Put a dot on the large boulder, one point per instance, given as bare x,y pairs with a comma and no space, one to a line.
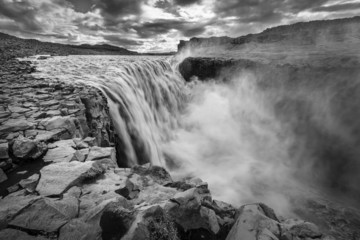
27,149
58,177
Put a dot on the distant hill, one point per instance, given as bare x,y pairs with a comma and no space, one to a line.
11,46
317,35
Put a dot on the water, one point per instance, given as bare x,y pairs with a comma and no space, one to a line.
144,94
251,139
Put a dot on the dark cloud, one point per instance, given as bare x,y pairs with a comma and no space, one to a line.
22,13
186,2
337,7
167,7
121,41
113,10
82,5
161,26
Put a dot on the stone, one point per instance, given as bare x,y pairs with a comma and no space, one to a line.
44,214
91,141
254,224
39,115
78,229
300,229
59,122
58,177
11,205
13,188
53,113
27,149
51,135
49,103
78,156
16,109
4,151
3,176
30,183
61,151
97,153
4,114
80,144
18,235
14,125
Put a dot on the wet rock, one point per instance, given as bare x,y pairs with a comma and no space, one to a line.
58,177
27,149
130,191
254,224
297,228
158,174
3,176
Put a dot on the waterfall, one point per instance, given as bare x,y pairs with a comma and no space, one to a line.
144,95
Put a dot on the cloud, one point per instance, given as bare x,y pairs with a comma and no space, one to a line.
83,6
121,41
22,12
186,2
337,7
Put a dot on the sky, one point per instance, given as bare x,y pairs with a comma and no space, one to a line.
157,25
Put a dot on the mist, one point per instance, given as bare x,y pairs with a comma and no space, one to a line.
255,141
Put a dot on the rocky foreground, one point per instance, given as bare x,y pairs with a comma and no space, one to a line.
60,177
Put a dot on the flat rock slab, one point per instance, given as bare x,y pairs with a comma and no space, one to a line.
44,214
14,126
59,122
58,177
97,153
63,152
16,109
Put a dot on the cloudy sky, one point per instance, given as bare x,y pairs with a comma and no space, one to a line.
157,25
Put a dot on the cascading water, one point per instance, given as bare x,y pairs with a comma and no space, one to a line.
248,138
144,96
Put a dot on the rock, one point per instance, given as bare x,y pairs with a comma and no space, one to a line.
97,153
130,191
300,229
58,177
78,229
45,214
4,151
80,144
4,114
18,235
254,224
47,136
39,115
3,176
158,174
11,205
187,211
53,113
61,151
27,149
91,141
13,188
30,183
49,103
78,156
59,122
14,125
16,109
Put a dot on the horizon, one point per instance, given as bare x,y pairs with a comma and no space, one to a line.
157,25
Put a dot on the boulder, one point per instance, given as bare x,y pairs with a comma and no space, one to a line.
254,224
58,177
78,156
80,144
14,125
59,122
158,174
27,149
